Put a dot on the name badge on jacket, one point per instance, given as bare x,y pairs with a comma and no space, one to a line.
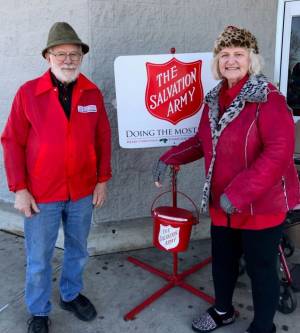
87,108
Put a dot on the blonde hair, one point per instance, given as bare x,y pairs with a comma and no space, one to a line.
255,66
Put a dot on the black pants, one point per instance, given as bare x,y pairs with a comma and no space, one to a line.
260,249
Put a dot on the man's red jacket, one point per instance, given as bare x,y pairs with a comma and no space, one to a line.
53,157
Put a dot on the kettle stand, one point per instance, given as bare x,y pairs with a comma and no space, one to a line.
174,279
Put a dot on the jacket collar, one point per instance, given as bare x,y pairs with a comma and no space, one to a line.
45,84
255,90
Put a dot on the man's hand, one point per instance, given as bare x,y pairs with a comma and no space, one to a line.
100,194
25,203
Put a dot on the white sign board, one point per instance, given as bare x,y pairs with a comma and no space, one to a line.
160,97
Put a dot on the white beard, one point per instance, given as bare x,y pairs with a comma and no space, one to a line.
65,73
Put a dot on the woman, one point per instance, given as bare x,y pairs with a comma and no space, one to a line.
246,136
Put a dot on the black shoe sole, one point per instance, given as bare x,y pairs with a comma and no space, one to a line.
207,331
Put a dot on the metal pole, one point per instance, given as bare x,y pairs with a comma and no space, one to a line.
174,185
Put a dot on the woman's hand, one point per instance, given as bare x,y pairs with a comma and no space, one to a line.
226,205
159,172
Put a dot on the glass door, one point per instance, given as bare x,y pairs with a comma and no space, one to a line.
289,75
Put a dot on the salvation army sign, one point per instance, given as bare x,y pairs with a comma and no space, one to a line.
174,90
168,236
160,97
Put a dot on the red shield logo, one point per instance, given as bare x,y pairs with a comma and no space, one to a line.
174,89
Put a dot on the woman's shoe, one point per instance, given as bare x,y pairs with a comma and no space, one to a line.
211,320
249,330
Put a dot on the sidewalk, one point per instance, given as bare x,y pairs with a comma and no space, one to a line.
116,286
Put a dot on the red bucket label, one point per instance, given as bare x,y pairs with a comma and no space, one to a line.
174,90
168,236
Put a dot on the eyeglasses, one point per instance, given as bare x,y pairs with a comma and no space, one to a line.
62,56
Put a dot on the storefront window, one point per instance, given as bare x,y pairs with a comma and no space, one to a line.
287,62
293,84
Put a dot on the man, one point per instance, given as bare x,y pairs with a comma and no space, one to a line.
57,157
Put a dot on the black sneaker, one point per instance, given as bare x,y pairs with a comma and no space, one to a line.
211,320
250,330
82,308
38,324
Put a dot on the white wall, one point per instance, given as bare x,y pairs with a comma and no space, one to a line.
122,27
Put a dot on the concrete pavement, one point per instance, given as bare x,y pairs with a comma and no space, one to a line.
116,286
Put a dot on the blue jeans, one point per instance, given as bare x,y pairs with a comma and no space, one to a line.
41,231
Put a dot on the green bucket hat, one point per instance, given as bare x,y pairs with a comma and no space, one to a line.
62,33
